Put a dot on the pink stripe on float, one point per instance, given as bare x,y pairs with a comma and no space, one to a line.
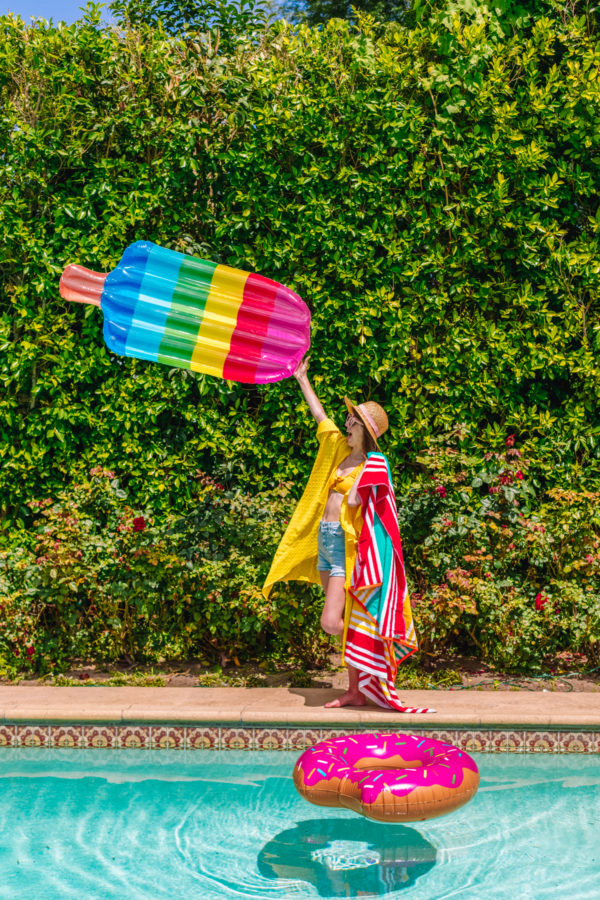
251,329
283,335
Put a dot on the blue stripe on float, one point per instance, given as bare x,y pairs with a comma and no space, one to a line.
121,290
153,303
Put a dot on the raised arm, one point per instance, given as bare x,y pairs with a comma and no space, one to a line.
314,404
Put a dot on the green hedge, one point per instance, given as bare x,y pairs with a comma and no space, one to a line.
431,192
498,568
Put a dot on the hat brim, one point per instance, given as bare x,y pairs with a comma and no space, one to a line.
351,407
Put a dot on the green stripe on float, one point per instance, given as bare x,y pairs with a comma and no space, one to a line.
187,310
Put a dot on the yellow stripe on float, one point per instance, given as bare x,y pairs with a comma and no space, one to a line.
218,321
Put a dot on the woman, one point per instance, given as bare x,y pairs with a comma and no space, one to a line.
320,543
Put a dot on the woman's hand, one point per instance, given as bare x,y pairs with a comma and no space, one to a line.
301,371
353,497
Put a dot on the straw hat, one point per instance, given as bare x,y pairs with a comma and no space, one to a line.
373,417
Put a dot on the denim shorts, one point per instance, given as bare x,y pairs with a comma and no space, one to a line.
332,548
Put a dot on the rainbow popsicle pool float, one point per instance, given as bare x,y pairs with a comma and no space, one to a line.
175,309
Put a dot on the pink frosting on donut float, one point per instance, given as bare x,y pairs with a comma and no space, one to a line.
387,777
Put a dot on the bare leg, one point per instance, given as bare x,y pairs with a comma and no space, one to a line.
332,621
332,617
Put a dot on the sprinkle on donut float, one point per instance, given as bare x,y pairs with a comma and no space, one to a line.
387,777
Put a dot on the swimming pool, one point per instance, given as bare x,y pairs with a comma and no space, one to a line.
225,824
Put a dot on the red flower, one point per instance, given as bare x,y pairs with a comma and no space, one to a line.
541,601
441,490
30,651
510,440
139,523
519,475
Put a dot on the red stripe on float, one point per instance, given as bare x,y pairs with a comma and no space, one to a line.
250,329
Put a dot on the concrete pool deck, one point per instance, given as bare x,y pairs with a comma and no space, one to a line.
295,707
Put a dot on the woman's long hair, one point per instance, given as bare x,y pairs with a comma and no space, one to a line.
369,442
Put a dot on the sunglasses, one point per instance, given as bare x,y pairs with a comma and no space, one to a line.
352,420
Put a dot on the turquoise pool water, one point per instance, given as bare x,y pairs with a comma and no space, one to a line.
90,824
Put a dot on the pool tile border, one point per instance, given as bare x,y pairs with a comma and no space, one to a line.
219,737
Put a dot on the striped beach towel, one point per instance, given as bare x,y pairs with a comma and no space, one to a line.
381,632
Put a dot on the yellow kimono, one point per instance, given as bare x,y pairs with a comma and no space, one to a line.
296,556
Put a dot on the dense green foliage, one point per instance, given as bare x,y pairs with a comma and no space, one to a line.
499,567
430,188
97,579
228,22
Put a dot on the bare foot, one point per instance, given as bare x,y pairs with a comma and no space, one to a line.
350,698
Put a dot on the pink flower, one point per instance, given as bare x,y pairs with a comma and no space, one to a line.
139,523
510,440
519,475
441,490
487,574
589,558
494,490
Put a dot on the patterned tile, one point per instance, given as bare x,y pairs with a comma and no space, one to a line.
584,742
541,742
34,736
395,731
301,738
276,739
203,738
177,737
298,739
330,734
474,741
159,738
100,737
66,736
447,737
508,741
238,739
8,736
134,737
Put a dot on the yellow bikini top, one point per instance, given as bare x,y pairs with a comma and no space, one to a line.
341,484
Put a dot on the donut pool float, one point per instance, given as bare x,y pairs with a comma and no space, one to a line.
387,777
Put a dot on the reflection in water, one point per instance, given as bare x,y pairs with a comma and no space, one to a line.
348,857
